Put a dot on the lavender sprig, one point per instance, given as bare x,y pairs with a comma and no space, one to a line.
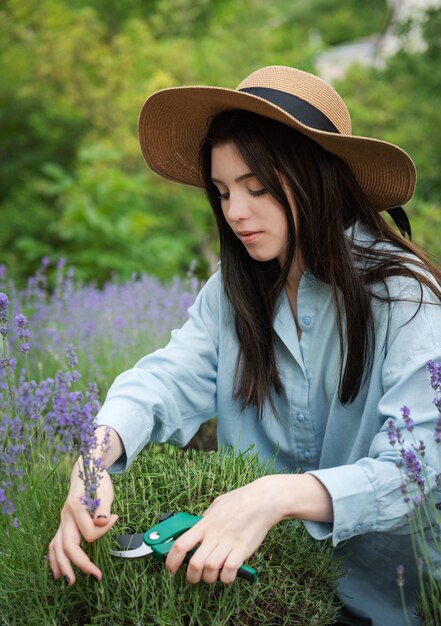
93,469
408,421
4,306
435,374
23,332
393,433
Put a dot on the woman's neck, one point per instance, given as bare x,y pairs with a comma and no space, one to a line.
292,287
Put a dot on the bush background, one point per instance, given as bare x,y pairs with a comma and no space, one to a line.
73,77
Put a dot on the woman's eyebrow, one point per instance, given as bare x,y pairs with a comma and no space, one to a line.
238,179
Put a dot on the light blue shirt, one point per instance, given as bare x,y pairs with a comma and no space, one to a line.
170,393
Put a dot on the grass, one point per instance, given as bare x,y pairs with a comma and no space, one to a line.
296,575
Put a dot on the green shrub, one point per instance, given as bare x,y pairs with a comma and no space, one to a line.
296,575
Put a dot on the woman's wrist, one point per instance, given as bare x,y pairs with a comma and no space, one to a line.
299,496
109,446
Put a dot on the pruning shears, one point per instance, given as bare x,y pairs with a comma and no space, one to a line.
159,540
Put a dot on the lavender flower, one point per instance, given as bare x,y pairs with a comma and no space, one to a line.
435,374
72,359
413,468
393,433
7,363
23,332
408,421
93,468
417,500
4,306
400,575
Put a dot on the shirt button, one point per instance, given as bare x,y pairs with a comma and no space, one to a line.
300,417
307,454
307,320
343,534
358,527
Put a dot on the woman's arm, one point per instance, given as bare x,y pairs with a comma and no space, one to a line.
236,523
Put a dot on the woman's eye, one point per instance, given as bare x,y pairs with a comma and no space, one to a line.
223,196
259,192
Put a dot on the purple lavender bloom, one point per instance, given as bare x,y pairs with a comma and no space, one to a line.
21,321
413,468
408,421
435,374
45,261
23,332
417,501
4,306
72,359
93,469
7,363
393,433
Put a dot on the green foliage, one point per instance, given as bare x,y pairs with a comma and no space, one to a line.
296,575
401,104
74,74
338,22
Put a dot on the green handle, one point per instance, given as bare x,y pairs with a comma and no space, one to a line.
160,539
171,528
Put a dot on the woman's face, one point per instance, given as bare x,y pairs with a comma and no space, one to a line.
255,217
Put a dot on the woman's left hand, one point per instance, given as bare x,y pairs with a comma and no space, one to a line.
231,530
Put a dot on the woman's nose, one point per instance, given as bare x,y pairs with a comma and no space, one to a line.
237,208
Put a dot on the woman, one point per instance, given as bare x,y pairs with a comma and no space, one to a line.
314,332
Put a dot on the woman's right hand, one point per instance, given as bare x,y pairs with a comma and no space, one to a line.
76,522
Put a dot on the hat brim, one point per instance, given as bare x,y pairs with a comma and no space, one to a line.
173,124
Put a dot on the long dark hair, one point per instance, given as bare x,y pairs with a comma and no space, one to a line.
328,200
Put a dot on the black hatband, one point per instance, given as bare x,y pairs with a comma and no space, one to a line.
303,111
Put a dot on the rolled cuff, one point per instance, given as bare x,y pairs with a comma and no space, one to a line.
133,430
353,501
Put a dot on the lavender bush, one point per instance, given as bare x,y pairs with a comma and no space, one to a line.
424,509
47,406
111,328
41,422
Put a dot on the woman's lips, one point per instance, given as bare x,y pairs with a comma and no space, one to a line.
249,236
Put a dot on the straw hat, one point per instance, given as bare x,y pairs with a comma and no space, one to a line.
173,123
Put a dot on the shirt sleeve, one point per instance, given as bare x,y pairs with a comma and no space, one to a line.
367,495
168,394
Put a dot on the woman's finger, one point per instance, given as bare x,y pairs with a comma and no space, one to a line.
181,546
206,562
62,562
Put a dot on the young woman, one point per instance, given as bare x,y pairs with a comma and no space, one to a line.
314,332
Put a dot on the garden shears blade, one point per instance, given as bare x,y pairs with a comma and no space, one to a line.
132,547
159,540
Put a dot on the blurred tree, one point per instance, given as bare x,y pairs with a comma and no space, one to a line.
401,104
74,74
